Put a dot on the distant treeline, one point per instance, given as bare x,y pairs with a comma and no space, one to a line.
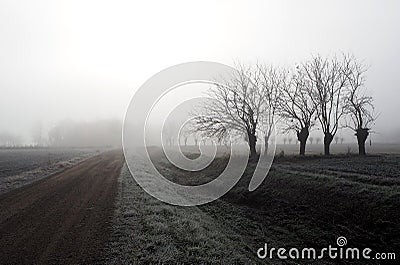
86,134
8,139
68,133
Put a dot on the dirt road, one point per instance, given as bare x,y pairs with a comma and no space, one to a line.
62,219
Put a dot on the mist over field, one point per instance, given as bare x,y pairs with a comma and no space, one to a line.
82,62
199,132
69,133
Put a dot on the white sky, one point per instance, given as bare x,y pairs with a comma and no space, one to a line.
84,59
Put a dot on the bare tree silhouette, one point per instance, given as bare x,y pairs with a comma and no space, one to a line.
242,105
297,108
311,140
327,81
270,80
254,99
86,134
185,133
336,139
168,133
8,139
360,109
37,133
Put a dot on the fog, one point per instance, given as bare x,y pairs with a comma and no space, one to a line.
81,61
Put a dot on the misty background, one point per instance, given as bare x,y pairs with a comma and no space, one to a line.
73,66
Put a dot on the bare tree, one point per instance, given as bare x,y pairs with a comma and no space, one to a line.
85,134
359,109
195,139
311,140
270,80
237,106
327,81
168,132
9,139
37,133
297,108
336,139
185,133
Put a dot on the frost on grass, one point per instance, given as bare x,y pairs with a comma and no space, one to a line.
22,167
147,231
304,202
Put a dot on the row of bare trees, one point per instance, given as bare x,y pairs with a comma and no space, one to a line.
324,92
8,139
98,133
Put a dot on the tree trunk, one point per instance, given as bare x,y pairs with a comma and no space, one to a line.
302,136
328,137
362,135
252,145
266,140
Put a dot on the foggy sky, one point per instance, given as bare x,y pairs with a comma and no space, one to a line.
83,60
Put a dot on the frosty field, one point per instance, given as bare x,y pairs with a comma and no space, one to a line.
19,167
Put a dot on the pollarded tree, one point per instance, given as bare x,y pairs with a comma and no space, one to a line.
327,81
296,107
359,109
237,106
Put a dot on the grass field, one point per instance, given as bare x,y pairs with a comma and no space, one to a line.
304,202
21,166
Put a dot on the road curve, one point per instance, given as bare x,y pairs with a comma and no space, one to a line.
64,218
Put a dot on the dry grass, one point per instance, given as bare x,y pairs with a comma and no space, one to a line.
304,202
